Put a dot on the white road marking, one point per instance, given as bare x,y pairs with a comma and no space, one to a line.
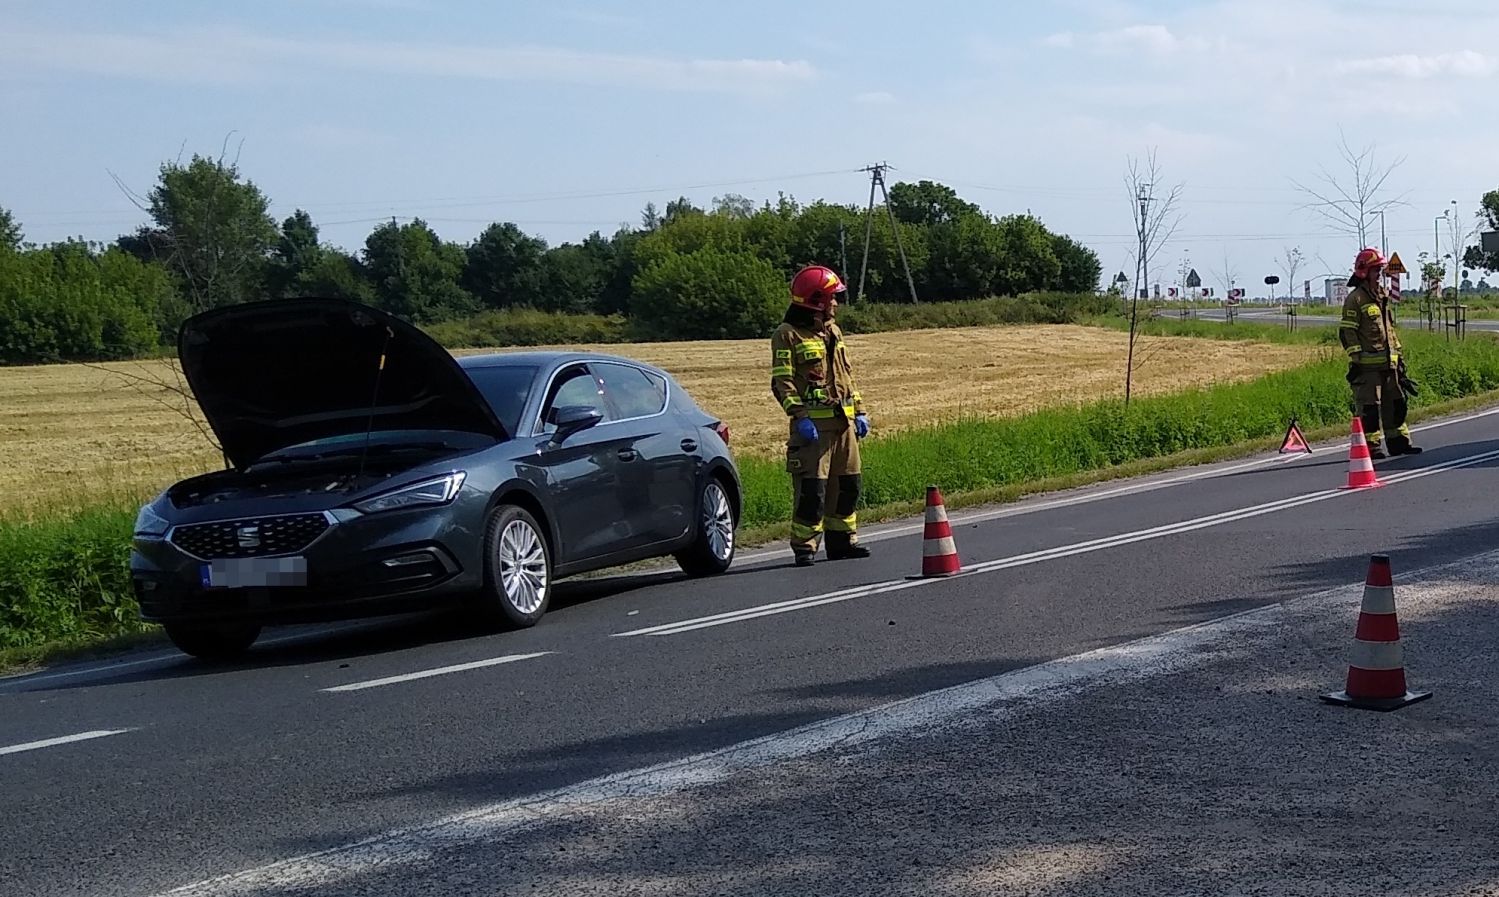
66,739
1099,494
174,657
1042,556
439,671
1001,696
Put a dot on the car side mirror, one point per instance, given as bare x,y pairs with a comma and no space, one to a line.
574,419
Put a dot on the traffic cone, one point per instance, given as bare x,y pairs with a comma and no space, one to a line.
1376,674
1360,464
939,554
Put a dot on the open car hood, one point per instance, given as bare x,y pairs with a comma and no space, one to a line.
275,373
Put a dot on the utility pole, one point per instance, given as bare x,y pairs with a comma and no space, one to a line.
843,248
877,181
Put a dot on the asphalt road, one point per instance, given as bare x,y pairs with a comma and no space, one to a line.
1321,315
152,772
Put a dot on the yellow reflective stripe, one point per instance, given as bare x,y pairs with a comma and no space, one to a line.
1348,325
782,354
802,531
791,402
807,350
822,413
816,394
782,370
847,524
1355,350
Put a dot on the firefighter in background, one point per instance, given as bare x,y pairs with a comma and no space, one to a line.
811,378
1375,369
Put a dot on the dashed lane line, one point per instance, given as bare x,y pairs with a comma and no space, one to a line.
1038,557
439,671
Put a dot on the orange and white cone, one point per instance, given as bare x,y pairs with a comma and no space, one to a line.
1360,465
1376,673
939,553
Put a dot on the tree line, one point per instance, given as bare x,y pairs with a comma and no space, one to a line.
682,272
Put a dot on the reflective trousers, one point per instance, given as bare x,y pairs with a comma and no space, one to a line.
1381,406
825,484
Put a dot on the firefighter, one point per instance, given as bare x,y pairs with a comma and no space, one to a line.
1375,369
811,378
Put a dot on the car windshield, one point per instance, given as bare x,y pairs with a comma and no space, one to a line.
506,387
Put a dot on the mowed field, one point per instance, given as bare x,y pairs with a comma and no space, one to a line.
73,435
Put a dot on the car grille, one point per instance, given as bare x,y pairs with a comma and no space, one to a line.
250,537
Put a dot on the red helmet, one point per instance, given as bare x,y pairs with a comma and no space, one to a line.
814,285
1368,260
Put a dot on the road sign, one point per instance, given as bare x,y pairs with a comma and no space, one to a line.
1396,266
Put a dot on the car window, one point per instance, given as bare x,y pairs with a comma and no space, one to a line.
574,386
633,392
506,388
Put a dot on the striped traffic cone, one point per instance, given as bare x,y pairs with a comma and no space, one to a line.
939,554
1376,674
1360,465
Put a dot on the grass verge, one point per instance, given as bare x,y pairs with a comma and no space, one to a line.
68,588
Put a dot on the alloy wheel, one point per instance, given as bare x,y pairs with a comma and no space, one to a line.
718,521
523,567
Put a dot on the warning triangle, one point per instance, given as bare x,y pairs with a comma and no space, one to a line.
1294,441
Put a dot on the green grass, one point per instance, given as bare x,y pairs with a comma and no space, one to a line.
974,455
68,588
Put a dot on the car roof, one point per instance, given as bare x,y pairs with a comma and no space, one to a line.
544,358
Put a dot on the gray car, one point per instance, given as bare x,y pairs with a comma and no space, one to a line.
371,472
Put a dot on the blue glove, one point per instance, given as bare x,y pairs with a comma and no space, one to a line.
806,429
861,425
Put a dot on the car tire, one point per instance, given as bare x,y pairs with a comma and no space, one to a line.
213,641
517,569
713,546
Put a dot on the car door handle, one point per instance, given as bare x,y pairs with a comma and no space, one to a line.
689,445
628,454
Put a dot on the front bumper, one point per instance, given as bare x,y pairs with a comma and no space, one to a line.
359,565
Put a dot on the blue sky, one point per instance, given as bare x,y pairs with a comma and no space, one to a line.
468,112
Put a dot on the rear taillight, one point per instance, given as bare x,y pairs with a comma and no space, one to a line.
722,429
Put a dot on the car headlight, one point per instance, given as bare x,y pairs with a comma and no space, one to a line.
437,491
149,524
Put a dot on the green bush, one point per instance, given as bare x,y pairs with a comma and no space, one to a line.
528,327
708,293
67,303
66,578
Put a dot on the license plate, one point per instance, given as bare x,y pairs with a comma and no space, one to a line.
254,573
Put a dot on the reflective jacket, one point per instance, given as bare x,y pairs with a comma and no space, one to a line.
1367,330
810,375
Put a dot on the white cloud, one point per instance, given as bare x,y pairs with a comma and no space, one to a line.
1465,63
226,55
1153,39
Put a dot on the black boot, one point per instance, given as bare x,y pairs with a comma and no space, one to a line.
1376,453
842,547
805,558
1401,445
